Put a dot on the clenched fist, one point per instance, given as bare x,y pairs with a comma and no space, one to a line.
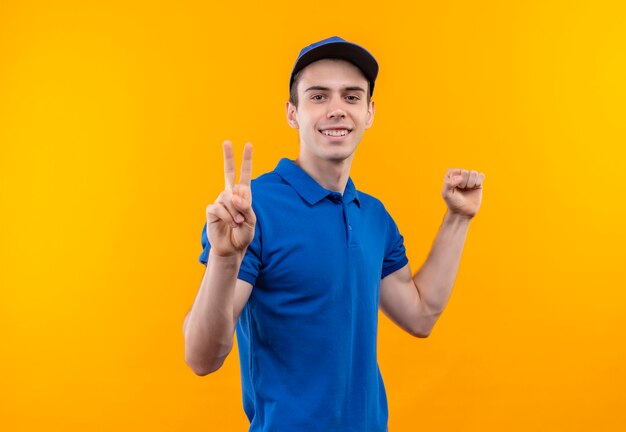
462,191
230,219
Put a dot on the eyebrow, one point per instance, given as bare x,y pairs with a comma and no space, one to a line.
322,88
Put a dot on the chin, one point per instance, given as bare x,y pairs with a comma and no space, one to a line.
332,152
338,156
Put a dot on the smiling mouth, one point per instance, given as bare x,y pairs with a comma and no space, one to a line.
335,132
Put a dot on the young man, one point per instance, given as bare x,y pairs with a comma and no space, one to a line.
300,272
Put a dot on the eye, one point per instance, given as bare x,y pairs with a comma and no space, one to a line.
352,98
317,97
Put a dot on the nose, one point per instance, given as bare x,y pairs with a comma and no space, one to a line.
335,110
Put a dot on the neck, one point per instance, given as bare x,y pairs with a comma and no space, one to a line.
331,175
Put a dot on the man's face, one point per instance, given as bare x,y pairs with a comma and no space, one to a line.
332,112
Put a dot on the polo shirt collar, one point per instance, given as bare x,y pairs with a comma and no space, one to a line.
310,190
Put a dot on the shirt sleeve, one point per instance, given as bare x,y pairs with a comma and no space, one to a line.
395,252
251,263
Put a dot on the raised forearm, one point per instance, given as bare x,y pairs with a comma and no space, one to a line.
210,325
436,277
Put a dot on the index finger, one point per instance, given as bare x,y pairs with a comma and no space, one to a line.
229,164
246,165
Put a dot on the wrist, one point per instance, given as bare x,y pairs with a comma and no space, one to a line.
234,258
457,218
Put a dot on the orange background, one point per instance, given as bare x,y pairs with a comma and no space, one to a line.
111,123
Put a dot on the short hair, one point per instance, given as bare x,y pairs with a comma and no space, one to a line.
293,92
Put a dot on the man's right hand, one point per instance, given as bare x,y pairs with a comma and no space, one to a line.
230,219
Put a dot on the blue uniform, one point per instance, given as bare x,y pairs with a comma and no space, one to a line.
307,336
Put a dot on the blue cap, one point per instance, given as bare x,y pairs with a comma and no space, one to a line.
338,48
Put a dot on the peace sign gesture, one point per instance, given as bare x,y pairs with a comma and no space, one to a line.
230,219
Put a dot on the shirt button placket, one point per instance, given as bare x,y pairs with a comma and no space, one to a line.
351,241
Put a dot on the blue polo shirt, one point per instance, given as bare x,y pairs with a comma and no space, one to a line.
307,336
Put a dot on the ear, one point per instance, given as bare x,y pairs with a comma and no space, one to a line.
291,115
370,115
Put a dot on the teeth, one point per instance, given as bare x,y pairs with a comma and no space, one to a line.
335,132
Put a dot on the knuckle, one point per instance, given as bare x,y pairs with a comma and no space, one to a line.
229,206
224,206
223,197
